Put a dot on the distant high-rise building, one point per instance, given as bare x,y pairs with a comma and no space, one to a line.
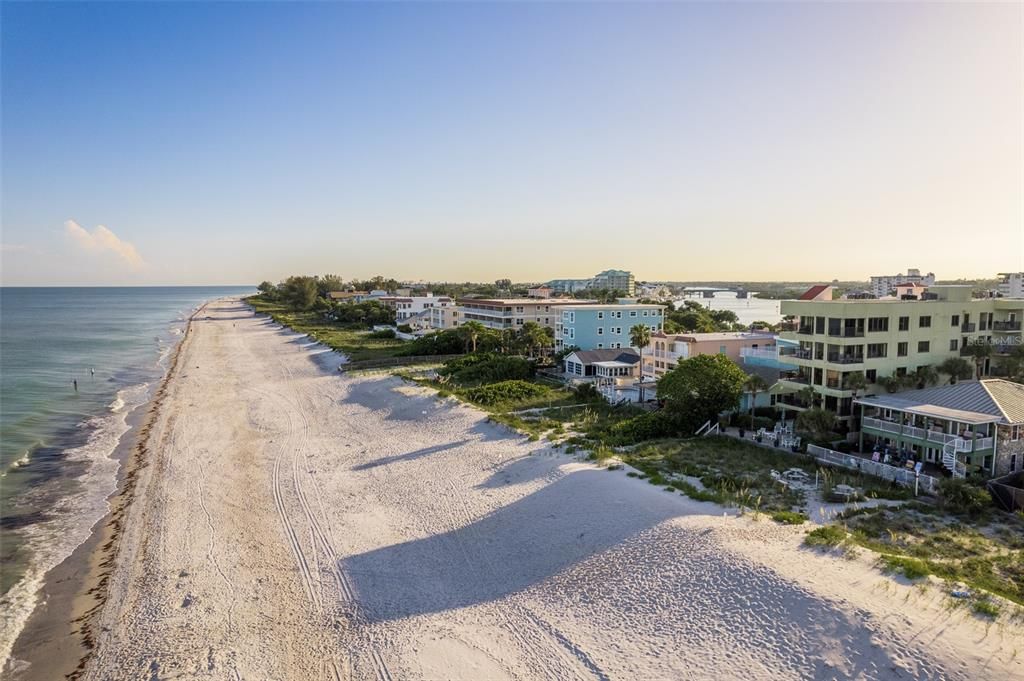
613,280
883,285
1011,285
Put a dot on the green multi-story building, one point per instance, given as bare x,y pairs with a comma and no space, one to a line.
890,337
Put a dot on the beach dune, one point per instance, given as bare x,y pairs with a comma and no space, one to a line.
291,522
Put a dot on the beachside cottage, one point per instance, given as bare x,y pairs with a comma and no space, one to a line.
971,427
623,365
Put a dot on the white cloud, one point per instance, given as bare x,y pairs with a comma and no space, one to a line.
102,239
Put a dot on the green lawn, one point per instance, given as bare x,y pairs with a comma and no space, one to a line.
354,343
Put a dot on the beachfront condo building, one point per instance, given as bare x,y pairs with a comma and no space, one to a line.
612,280
973,427
668,349
512,313
883,285
605,325
882,338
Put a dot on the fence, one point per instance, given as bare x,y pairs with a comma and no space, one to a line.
396,362
902,476
1008,491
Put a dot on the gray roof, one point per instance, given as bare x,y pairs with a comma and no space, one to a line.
627,355
990,399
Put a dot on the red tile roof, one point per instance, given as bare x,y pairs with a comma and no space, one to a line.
813,292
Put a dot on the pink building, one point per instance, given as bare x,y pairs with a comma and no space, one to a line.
667,349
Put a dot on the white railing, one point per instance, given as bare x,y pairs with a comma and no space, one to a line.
879,424
983,443
941,438
760,353
914,431
902,476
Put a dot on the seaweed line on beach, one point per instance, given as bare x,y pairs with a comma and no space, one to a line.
120,503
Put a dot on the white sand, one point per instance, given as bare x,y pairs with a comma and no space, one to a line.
298,524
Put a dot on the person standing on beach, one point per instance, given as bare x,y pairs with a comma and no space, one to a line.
92,372
74,382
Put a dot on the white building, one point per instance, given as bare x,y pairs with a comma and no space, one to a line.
884,284
408,308
1011,284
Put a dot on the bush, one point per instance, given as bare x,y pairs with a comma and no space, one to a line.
789,517
505,391
587,392
383,333
961,497
742,420
647,426
487,367
405,328
445,342
831,535
912,568
986,608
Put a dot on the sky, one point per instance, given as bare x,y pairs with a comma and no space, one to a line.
229,143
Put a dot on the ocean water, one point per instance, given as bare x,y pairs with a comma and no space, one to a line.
56,441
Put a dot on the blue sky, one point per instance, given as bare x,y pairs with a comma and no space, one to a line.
232,142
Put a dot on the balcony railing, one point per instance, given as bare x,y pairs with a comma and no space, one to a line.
806,330
839,358
879,424
1006,326
968,327
795,354
802,380
846,333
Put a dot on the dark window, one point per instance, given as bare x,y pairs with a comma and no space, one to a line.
925,321
902,349
818,374
955,320
924,346
871,375
819,325
901,371
819,351
835,326
953,344
878,323
877,350
904,323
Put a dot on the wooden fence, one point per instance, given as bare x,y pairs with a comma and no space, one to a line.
387,362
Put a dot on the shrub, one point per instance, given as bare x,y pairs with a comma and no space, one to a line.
445,342
383,333
405,328
912,568
505,391
647,426
831,535
487,367
789,517
986,608
962,497
587,392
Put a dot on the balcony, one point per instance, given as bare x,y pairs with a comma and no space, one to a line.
795,354
799,380
840,358
846,333
805,330
968,327
1006,326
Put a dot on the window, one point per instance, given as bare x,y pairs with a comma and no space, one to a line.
1015,433
871,375
519,321
519,309
600,346
572,333
632,313
955,320
645,313
901,371
953,344
1013,462
876,350
600,331
924,346
618,314
878,323
819,325
902,349
572,317
654,328
904,323
924,322
600,314
721,349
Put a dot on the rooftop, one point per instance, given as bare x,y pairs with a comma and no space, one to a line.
985,401
626,355
718,336
525,301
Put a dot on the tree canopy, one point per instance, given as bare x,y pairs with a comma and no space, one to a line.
700,388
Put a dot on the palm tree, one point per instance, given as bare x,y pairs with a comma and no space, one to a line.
471,331
926,376
806,396
533,336
753,385
956,368
856,381
640,338
979,352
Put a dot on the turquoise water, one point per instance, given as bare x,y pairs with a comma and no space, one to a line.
56,441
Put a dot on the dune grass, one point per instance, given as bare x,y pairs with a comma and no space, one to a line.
357,344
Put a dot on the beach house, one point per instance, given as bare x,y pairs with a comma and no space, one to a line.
668,349
513,313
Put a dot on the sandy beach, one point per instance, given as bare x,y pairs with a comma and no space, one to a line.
290,522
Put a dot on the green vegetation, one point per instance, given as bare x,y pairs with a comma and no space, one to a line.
487,367
789,517
911,568
986,607
358,344
698,389
828,536
506,393
693,316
